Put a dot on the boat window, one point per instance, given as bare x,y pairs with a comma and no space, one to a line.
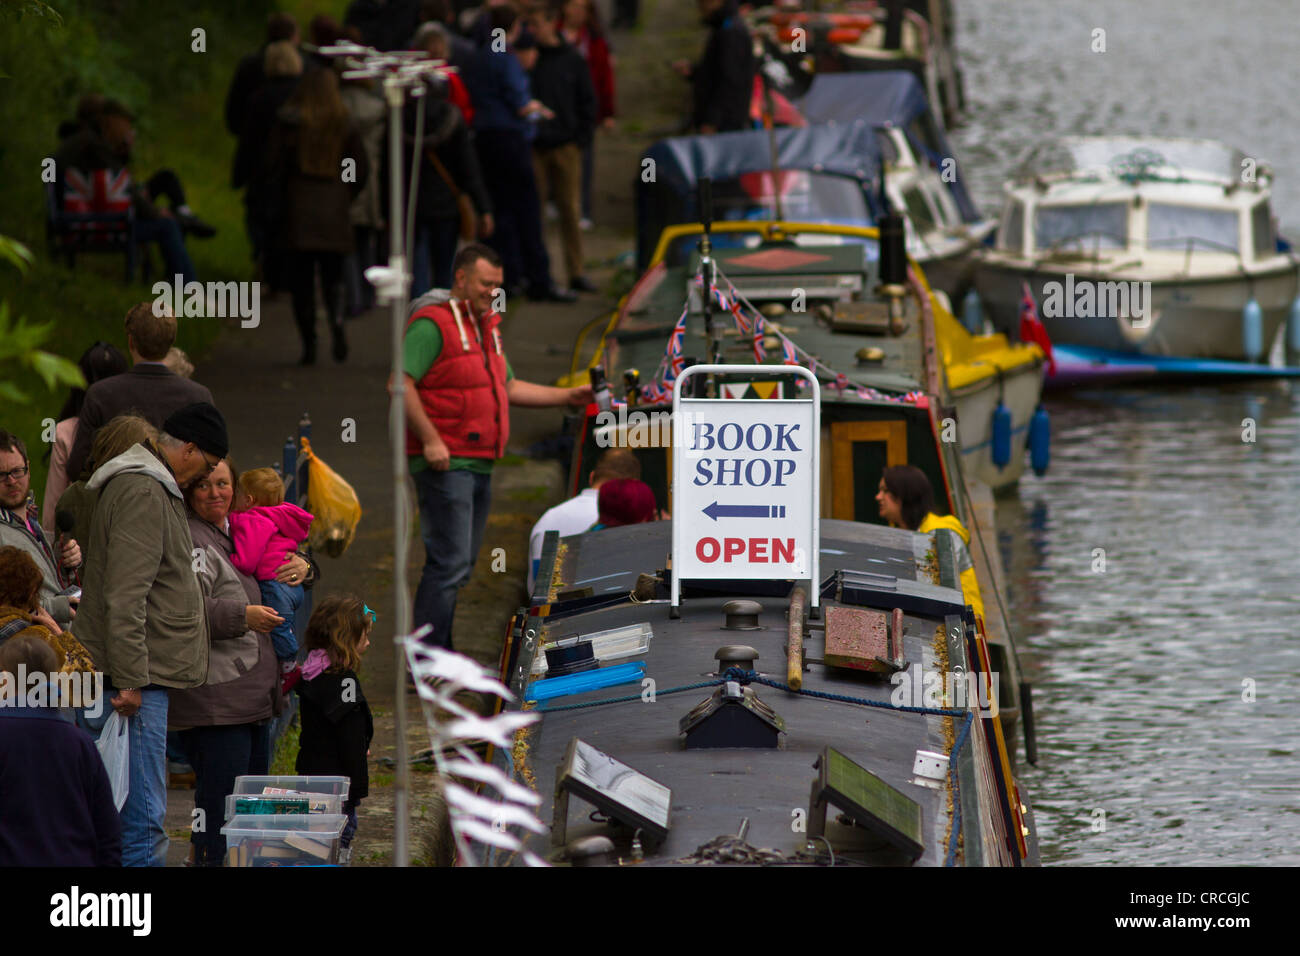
1080,228
1178,226
805,197
1261,225
1011,235
918,210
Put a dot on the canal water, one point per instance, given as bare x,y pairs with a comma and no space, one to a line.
1153,573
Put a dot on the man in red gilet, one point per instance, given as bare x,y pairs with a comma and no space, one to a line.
459,391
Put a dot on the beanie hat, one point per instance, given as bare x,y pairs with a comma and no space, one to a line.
625,501
201,424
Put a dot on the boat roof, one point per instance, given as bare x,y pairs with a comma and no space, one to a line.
1093,191
880,97
638,339
850,150
1121,156
713,789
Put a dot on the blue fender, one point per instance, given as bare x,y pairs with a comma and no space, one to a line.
1040,441
1001,435
970,312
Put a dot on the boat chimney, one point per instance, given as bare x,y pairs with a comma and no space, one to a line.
736,655
741,615
893,250
894,25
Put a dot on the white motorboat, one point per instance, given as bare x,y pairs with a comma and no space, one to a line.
1143,245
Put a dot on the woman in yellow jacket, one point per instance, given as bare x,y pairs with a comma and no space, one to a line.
906,501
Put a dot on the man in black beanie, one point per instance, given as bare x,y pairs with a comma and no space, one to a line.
142,613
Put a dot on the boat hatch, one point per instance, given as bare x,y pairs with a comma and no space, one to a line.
886,592
733,716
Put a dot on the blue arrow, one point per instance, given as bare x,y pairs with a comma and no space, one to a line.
716,511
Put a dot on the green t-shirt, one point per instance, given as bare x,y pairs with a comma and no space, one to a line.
421,347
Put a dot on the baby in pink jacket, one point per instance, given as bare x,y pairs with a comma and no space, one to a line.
265,534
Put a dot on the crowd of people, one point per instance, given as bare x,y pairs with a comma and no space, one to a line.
157,567
504,134
151,562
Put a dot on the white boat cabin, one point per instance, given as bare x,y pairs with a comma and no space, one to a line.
1170,206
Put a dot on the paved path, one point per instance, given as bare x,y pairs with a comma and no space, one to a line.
257,384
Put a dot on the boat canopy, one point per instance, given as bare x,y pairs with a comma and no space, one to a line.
883,97
826,174
1133,156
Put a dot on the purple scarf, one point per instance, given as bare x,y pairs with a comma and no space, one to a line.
317,662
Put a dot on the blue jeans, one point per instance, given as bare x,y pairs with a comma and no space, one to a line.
219,755
144,815
435,240
453,512
285,599
280,724
167,233
349,828
507,162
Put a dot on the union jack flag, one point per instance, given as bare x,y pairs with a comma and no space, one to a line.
96,191
676,347
758,339
788,354
733,306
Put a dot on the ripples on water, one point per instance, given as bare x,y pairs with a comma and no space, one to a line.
1140,669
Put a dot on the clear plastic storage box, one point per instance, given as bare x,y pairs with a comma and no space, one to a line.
303,801
285,795
615,644
296,839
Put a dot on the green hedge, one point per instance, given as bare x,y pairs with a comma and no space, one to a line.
141,52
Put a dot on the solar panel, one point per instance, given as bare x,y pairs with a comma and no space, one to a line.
870,801
614,788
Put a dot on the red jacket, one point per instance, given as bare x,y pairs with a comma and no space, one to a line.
459,96
595,50
464,391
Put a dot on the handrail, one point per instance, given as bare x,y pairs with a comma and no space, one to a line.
607,317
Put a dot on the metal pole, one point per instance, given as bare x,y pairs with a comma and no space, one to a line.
392,283
393,93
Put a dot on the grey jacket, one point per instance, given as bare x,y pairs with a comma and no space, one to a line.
243,681
14,533
142,615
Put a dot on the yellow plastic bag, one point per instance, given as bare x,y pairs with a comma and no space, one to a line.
333,503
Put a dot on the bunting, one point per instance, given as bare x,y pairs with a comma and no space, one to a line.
730,300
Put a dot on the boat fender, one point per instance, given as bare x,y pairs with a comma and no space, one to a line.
1293,326
1252,330
970,312
1027,720
1040,441
1001,435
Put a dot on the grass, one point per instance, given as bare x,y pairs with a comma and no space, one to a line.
284,760
143,53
